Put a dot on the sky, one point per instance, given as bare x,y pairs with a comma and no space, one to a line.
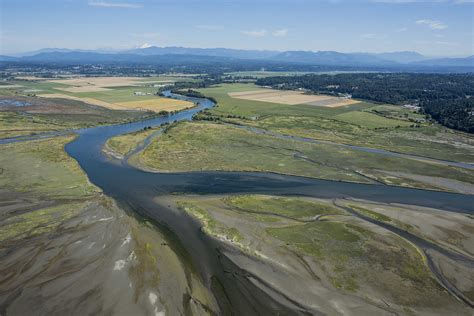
433,28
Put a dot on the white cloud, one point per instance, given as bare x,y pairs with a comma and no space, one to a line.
432,24
255,33
280,33
402,29
146,45
105,4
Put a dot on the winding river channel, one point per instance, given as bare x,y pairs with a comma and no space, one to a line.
138,191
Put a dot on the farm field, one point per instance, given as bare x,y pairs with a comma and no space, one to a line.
118,93
364,124
291,98
324,249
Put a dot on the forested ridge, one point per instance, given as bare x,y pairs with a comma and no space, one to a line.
448,98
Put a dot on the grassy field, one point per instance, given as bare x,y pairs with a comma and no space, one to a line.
12,124
352,256
124,144
195,146
43,159
365,124
299,209
369,120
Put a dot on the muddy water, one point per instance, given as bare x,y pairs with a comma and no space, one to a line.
140,192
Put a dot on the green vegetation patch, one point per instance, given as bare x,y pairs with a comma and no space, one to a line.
333,242
42,166
195,146
371,214
397,112
123,144
369,120
209,225
317,238
297,208
204,146
15,124
352,255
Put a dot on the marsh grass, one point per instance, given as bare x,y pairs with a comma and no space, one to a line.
290,207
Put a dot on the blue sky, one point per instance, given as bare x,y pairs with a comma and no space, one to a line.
434,28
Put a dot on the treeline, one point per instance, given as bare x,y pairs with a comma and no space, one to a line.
446,97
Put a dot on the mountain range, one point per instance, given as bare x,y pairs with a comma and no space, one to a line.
156,55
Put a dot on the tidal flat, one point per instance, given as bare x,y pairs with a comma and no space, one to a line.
339,261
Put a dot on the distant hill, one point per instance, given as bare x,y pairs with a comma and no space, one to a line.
332,58
392,61
86,57
62,50
219,52
7,58
449,62
401,57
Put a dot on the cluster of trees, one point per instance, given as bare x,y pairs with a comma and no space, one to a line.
189,93
457,114
446,97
